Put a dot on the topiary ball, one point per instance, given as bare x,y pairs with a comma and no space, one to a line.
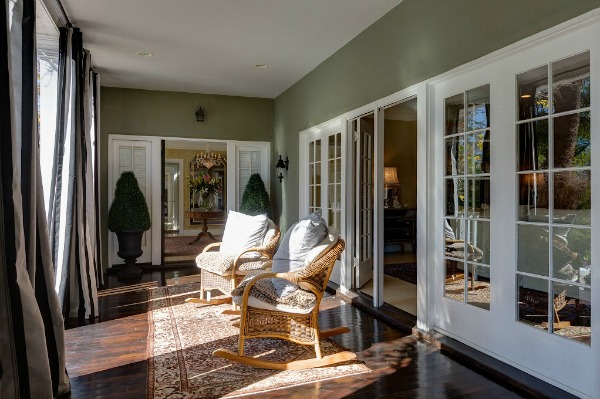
129,210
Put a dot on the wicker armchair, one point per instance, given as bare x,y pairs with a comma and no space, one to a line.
263,314
224,272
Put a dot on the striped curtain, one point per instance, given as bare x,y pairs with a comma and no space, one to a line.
73,206
32,353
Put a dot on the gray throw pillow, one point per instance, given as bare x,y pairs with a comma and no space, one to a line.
302,237
295,246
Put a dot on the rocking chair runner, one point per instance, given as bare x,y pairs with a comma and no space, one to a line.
224,272
260,319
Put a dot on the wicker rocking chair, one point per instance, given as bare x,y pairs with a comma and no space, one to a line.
224,272
263,314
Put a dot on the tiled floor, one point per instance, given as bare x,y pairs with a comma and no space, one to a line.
396,292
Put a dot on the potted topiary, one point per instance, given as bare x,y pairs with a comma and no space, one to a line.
128,217
255,200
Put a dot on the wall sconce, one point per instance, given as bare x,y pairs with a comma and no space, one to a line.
281,164
199,115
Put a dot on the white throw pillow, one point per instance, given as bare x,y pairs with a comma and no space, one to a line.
302,237
323,247
243,232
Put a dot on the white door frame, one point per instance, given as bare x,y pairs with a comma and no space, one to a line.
180,191
155,200
342,122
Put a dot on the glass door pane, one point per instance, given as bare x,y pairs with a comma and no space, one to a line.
467,197
554,264
364,134
314,175
334,190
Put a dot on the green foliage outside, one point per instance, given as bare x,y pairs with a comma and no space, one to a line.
255,200
129,210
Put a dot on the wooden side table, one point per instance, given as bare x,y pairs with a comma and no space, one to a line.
204,215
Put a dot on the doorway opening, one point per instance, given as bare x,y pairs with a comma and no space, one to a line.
194,197
399,260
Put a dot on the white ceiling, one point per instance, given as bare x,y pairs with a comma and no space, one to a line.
212,46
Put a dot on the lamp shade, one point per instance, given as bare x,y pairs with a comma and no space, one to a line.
390,175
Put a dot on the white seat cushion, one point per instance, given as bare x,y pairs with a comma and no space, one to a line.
243,232
263,295
215,262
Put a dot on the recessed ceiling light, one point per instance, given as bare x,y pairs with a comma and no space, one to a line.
143,53
260,65
526,96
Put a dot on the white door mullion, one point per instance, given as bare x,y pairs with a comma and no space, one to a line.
377,218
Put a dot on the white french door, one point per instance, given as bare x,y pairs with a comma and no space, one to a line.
515,188
322,179
363,133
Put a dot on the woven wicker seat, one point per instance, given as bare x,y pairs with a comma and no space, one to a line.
261,317
224,272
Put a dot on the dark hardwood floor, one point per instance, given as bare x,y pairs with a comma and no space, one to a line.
107,358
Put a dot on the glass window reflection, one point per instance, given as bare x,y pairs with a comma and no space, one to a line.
478,111
533,93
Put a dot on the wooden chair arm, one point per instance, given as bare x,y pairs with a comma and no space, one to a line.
211,246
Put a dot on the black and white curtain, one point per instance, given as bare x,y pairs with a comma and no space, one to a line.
73,206
32,354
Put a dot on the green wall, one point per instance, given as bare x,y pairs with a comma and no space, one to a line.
417,40
172,114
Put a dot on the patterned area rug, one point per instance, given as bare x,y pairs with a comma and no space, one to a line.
180,246
182,337
403,271
478,296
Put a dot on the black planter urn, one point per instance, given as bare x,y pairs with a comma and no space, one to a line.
130,248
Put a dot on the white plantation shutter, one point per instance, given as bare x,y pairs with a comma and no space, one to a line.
250,159
135,156
249,163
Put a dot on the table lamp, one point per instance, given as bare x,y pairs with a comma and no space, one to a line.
390,178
